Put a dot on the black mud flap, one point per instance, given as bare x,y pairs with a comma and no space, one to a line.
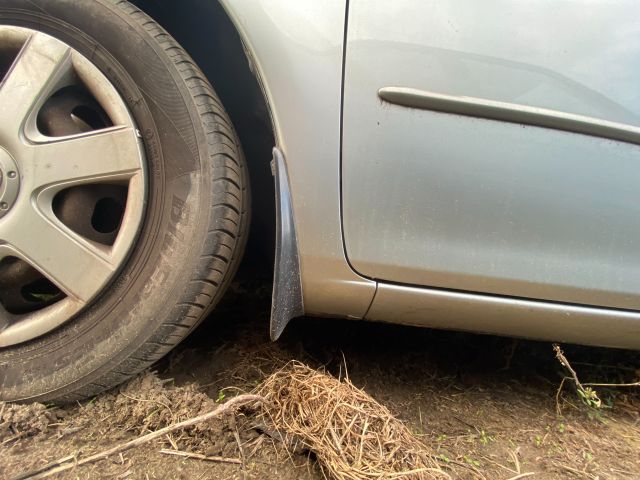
287,300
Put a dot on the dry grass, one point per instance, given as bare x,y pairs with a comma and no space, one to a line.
353,436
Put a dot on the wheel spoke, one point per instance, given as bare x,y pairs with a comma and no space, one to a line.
109,153
77,269
41,62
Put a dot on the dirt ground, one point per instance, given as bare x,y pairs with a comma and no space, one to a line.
486,406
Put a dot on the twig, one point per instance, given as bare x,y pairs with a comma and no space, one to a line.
522,475
236,435
584,389
172,442
199,456
17,436
449,461
558,392
38,471
576,471
514,457
565,363
64,464
510,354
588,395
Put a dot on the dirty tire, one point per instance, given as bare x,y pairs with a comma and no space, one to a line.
196,216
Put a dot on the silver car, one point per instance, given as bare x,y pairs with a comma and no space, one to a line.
452,164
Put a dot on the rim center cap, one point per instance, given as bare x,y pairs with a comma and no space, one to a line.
9,182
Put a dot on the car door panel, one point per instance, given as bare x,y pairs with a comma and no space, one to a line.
469,201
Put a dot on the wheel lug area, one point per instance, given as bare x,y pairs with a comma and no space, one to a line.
9,182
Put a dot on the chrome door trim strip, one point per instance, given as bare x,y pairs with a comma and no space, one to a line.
509,112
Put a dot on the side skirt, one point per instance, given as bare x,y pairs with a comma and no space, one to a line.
516,317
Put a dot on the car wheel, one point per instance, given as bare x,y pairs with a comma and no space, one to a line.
123,196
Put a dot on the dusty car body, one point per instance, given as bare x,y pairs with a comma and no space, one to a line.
475,165
456,165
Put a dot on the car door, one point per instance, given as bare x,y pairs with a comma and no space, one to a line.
494,147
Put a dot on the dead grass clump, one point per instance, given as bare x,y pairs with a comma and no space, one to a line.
352,435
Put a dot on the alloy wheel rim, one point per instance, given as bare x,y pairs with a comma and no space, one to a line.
72,183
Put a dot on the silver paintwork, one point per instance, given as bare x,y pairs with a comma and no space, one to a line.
30,230
296,51
436,199
500,208
482,205
573,56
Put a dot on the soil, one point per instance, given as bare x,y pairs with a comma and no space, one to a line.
488,406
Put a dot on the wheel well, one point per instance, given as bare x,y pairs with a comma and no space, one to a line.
205,31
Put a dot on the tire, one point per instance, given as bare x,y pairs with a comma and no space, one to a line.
196,213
